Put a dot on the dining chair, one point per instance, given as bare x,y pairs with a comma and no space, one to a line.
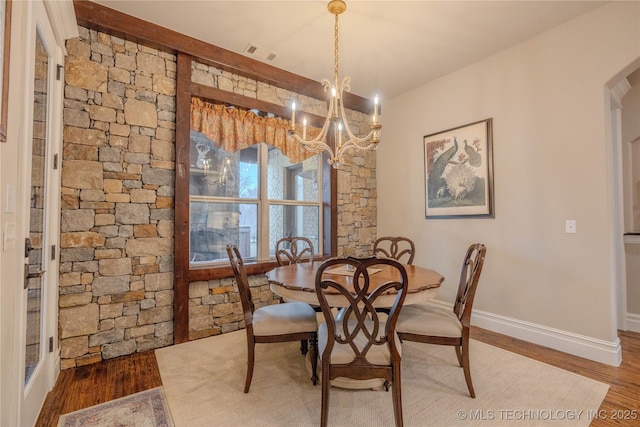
291,321
395,248
363,344
431,324
292,250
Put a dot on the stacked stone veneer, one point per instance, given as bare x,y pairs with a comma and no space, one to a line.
117,221
116,258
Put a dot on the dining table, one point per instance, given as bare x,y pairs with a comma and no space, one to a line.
296,282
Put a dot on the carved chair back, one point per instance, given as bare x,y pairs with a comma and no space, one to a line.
240,274
398,248
469,276
363,343
292,250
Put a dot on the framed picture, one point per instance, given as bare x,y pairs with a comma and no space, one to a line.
5,43
458,170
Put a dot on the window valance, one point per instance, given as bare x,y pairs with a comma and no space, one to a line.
233,129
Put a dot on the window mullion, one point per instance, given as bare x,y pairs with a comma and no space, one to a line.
263,204
320,249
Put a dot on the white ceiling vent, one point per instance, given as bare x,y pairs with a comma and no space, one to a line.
259,53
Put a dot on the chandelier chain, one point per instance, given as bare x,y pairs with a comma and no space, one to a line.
335,51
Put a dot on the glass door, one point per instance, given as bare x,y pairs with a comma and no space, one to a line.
34,246
40,265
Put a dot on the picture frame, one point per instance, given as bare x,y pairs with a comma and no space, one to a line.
5,45
458,171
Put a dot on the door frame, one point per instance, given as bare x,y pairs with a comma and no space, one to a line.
45,373
61,16
617,88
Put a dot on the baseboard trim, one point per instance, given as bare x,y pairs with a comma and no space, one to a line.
590,348
633,322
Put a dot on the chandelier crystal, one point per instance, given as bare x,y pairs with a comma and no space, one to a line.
336,121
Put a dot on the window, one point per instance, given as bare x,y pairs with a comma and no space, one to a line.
250,198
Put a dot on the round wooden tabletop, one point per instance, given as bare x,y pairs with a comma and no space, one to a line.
296,282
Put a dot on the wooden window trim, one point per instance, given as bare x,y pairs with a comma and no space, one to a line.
185,90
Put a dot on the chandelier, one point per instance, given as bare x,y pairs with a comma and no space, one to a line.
336,120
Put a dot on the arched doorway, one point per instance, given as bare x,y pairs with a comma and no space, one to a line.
624,99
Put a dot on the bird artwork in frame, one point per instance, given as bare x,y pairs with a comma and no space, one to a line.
459,172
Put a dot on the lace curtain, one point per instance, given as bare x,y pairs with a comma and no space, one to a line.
233,129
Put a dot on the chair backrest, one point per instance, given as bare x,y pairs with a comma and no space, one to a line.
395,248
292,250
469,276
361,326
240,274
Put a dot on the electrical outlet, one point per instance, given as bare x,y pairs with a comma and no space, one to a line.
570,226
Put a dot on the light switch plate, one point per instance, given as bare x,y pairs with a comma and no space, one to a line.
9,236
570,226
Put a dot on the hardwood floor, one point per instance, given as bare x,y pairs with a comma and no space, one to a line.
98,383
621,406
93,384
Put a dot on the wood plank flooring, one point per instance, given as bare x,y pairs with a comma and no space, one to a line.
93,384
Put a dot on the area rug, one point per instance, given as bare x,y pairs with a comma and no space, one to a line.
204,379
145,409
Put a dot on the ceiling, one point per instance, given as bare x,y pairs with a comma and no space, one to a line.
387,47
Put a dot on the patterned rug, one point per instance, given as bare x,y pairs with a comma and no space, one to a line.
203,382
147,408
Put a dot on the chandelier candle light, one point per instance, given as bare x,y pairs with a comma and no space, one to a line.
336,120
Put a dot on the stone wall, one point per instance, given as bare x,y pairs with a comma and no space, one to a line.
357,206
116,259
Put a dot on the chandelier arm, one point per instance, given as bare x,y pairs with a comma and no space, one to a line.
316,145
359,143
345,86
326,84
323,131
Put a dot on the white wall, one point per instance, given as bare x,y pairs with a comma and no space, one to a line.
547,98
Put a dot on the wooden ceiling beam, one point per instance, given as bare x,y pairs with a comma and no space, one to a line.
95,16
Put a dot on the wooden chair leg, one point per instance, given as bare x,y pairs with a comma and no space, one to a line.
324,411
397,397
251,346
314,359
459,354
465,365
304,346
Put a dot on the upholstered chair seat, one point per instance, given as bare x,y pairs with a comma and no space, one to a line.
429,319
288,318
